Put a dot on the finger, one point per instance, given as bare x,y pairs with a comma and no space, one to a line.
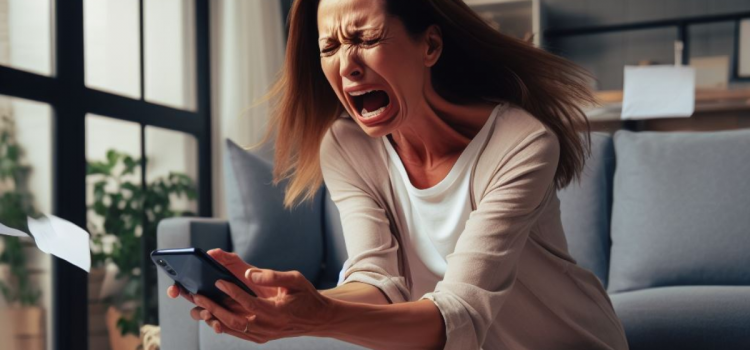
205,315
173,291
185,294
215,325
256,338
252,325
250,335
240,296
234,264
257,332
195,313
264,277
226,257
231,319
218,254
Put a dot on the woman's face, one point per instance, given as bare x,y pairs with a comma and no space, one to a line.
378,71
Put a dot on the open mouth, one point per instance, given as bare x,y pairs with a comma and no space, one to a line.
370,104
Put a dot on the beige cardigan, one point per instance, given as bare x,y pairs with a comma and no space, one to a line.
510,283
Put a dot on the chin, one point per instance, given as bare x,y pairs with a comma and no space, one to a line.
384,124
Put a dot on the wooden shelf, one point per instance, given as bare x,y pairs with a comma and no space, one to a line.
706,101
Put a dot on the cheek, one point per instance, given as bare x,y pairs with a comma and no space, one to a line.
401,68
331,71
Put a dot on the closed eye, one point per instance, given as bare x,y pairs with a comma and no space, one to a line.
368,43
328,50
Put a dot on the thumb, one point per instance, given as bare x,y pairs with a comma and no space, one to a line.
265,277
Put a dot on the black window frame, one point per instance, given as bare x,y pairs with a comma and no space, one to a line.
71,100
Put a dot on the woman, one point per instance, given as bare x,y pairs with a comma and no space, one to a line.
444,165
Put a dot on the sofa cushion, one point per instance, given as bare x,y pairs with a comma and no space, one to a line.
263,232
681,209
686,318
585,208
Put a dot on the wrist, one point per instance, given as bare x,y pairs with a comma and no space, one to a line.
330,318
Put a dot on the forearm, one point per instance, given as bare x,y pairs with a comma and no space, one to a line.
357,292
410,325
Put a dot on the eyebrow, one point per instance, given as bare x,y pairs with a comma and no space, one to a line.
352,33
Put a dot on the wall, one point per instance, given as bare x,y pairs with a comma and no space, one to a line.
606,54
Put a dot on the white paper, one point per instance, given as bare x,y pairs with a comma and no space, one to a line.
9,231
62,239
658,92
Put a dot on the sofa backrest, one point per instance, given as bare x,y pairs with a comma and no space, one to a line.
681,210
585,208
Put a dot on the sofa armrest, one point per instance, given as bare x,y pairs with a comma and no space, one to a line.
178,330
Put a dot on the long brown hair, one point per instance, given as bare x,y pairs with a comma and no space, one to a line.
477,64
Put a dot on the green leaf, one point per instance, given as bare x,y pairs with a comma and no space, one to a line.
112,158
130,165
98,168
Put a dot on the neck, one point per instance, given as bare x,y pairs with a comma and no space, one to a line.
437,130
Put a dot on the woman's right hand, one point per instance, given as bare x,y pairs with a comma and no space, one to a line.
234,264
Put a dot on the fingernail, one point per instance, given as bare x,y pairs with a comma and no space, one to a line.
220,285
255,276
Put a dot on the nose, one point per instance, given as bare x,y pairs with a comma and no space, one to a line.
350,66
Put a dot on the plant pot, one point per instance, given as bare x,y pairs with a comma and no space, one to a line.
116,340
98,334
96,279
27,327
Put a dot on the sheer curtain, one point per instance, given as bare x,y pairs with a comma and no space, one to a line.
247,54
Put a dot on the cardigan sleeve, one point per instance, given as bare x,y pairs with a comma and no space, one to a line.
370,244
481,271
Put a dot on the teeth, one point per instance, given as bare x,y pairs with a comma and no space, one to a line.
366,114
360,93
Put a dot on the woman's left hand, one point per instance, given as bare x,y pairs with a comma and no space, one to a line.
296,309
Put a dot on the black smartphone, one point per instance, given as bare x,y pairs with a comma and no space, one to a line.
196,271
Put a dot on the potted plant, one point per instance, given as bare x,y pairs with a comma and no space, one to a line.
16,204
128,214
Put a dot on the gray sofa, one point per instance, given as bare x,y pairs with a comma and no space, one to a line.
663,219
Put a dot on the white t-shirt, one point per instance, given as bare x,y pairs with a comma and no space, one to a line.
435,216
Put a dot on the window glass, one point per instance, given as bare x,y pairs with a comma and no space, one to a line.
169,52
112,46
26,35
25,190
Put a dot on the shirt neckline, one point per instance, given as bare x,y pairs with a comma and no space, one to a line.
461,163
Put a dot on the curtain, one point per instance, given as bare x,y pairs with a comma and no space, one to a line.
247,53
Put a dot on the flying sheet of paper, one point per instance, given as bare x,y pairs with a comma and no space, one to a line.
658,92
9,231
62,239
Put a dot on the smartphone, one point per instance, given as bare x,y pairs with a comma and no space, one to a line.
196,272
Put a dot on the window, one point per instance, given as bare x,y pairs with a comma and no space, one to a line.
141,65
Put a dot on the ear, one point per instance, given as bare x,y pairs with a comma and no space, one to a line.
434,40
